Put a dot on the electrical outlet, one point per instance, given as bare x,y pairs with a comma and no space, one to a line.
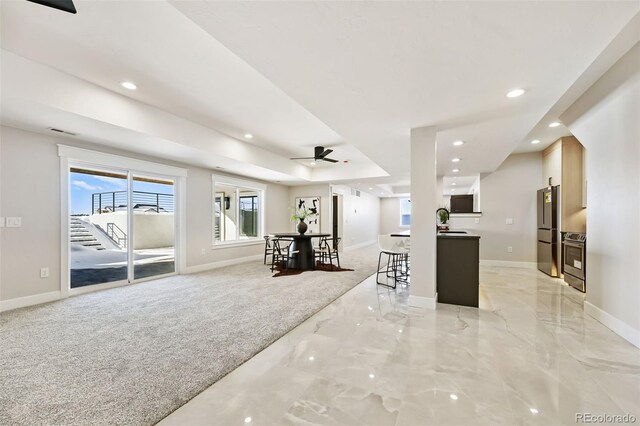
477,220
509,249
14,222
44,272
509,221
203,251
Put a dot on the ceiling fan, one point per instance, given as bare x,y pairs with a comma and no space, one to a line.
64,5
319,153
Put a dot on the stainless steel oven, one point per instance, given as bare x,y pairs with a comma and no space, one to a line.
574,260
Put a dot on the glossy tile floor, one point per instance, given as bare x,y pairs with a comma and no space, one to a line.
529,355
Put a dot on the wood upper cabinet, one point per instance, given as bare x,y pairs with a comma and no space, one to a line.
563,162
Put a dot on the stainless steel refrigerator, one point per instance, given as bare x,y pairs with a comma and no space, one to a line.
548,231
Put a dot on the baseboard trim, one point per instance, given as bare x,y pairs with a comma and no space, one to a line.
360,245
508,264
619,327
423,302
215,265
21,302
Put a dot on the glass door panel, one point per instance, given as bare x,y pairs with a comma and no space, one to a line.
153,238
98,220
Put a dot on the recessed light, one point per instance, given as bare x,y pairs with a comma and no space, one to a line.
453,396
454,183
534,410
311,358
313,163
247,419
535,141
248,136
515,93
372,376
128,85
458,143
400,331
455,160
455,170
370,189
554,124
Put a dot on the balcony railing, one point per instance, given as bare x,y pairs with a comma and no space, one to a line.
117,235
109,202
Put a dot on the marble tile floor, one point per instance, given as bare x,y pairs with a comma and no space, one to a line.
529,355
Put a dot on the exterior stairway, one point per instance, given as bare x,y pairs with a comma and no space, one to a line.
79,234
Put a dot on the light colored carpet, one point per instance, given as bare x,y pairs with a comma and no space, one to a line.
132,355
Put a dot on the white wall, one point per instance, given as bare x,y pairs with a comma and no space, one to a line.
361,217
30,187
509,192
605,120
152,230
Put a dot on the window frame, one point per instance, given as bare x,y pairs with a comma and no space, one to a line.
238,184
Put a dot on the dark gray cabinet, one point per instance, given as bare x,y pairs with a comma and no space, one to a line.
458,269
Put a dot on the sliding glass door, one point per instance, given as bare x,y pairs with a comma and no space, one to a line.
154,226
98,249
121,226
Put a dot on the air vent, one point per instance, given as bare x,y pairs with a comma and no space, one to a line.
53,129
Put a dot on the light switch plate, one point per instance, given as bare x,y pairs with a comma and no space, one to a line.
13,222
1,222
44,272
509,221
509,249
477,220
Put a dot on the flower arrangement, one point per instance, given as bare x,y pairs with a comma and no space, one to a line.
302,214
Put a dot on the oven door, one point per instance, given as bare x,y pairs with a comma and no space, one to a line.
574,259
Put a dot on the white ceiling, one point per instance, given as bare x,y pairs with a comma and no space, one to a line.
353,76
460,184
373,70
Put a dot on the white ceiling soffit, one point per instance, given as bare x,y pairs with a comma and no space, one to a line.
621,44
35,96
179,68
374,70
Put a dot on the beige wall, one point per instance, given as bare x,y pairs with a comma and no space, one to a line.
605,120
30,188
509,192
324,192
390,216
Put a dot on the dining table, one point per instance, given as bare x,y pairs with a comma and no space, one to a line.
305,259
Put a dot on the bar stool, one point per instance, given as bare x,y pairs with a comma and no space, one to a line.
397,251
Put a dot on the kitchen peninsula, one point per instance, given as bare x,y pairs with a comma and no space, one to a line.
458,261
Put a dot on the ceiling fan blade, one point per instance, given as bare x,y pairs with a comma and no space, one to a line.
331,160
64,5
325,153
302,158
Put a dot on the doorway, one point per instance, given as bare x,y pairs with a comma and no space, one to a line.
337,219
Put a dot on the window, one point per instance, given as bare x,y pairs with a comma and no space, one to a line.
405,212
238,210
